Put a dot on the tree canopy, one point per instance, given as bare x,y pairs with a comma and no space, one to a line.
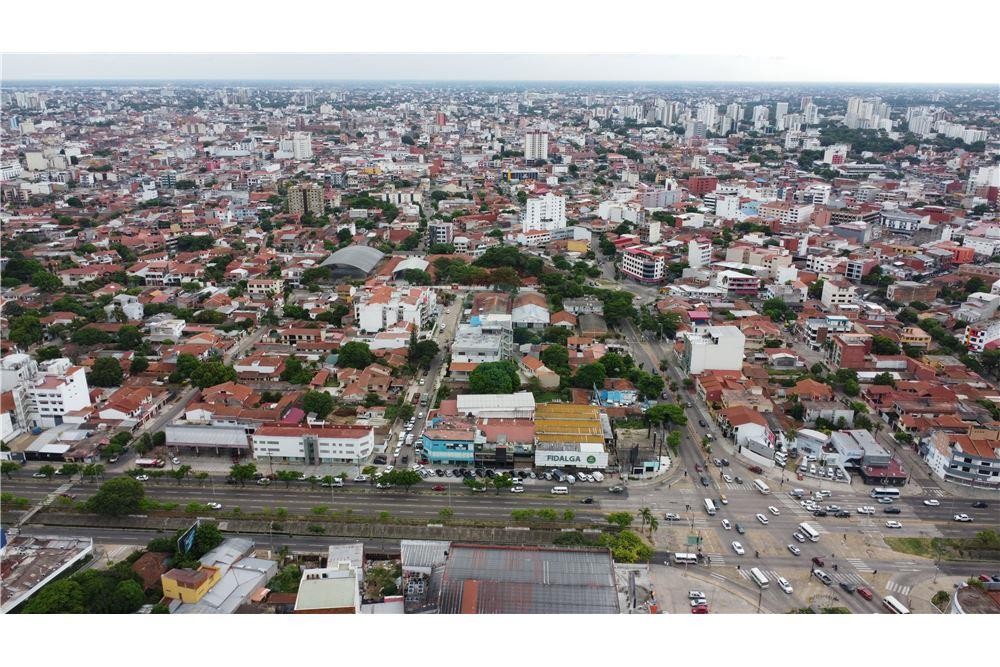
118,497
494,377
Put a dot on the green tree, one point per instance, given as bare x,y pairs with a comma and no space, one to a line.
884,379
422,354
884,345
666,414
556,358
126,598
319,402
816,289
495,377
355,354
46,281
106,372
8,467
212,373
590,376
621,519
242,472
25,331
118,497
650,385
129,338
47,470
288,476
60,597
502,483
88,336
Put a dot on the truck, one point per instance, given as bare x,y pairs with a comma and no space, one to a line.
598,476
150,463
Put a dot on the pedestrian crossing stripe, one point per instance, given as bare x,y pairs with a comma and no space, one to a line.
860,565
898,588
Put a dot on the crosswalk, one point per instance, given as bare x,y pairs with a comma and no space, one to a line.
848,578
860,565
715,560
934,492
893,587
770,574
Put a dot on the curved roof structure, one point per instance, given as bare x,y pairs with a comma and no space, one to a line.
412,263
358,257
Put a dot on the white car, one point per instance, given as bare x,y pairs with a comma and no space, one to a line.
388,469
795,550
517,488
932,503
884,501
964,518
214,506
698,601
738,548
176,461
726,525
142,478
866,510
728,478
38,475
696,595
799,537
784,585
773,510
762,519
893,524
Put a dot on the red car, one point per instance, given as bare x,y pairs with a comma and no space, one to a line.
439,487
697,467
756,469
865,592
699,609
819,561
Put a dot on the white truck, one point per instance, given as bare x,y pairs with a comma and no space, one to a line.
598,476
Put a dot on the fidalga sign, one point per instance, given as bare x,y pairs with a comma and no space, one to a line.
576,459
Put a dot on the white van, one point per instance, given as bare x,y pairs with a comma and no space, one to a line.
598,476
560,490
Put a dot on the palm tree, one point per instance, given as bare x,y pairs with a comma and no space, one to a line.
646,516
654,523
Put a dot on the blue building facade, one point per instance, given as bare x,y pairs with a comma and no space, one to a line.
450,446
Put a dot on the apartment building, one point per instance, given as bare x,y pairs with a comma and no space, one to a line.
439,231
646,264
699,252
536,145
737,283
483,339
714,348
305,198
981,334
838,293
786,213
41,394
312,446
544,213
379,308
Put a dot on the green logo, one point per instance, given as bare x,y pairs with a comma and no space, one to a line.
591,459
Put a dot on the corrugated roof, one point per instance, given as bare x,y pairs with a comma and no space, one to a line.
360,257
521,399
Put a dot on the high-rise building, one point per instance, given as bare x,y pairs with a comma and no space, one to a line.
299,145
545,213
695,129
707,112
761,114
536,145
307,197
781,110
811,113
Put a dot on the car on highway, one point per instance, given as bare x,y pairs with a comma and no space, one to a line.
823,576
884,501
142,478
980,505
383,485
784,585
438,487
757,470
361,478
704,480
113,459
723,499
587,501
867,509
701,423
762,519
738,548
892,510
963,518
700,609
773,510
865,592
816,560
740,529
176,461
799,537
214,506
697,467
893,524
616,489
725,463
263,481
738,479
698,602
717,463
726,525
849,588
727,478
932,502
672,516
795,550
819,513
38,475
832,508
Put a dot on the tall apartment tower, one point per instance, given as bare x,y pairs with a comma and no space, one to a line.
302,145
305,197
545,213
536,146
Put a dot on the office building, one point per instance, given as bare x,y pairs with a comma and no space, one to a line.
306,197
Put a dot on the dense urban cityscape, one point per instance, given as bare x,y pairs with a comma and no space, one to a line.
499,348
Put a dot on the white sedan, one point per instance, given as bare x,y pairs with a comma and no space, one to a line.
893,524
738,548
762,519
964,518
214,506
726,525
142,478
795,550
773,510
932,503
784,585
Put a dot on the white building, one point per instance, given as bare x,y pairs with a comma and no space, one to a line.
545,213
301,145
519,405
981,334
836,154
727,207
838,293
313,446
717,348
382,307
643,263
699,252
536,145
56,388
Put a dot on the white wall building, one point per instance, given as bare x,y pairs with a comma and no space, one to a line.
717,348
383,307
536,146
545,213
838,293
313,446
699,252
59,387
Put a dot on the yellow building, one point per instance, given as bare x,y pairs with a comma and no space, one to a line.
914,336
566,422
189,585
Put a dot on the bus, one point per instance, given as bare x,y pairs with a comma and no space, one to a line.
709,507
758,578
809,532
894,605
150,463
884,492
761,486
684,559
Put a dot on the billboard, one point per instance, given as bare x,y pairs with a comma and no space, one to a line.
570,458
186,541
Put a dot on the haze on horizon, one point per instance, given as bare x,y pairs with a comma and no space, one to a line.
481,67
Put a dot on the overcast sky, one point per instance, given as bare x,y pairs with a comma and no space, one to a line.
487,67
